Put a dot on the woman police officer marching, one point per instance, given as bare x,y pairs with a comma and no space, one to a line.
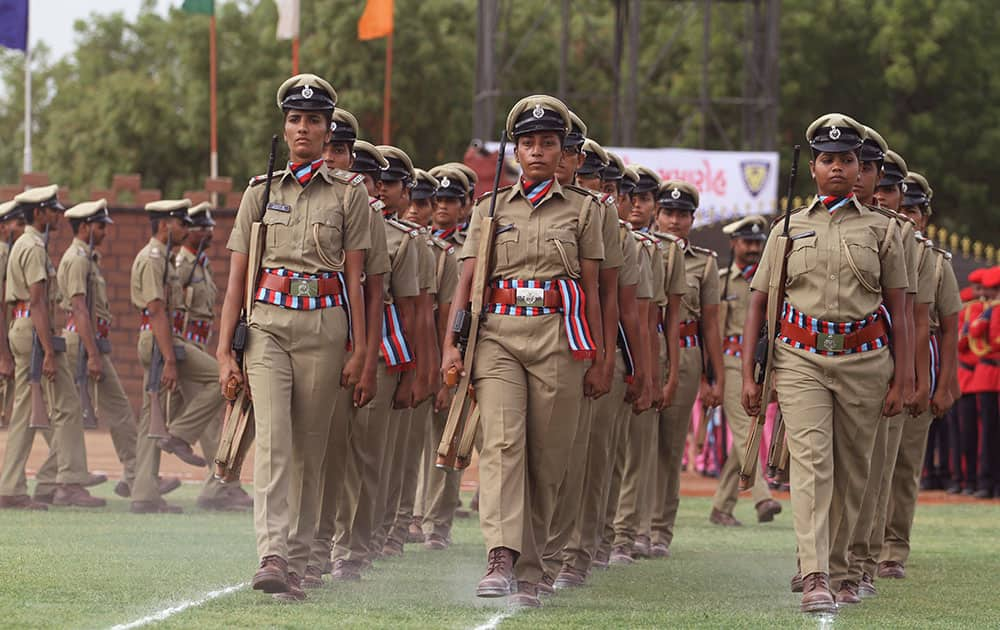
833,370
528,370
312,259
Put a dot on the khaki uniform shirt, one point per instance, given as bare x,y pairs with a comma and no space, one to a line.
614,258
428,263
78,275
543,242
702,277
29,264
926,282
308,228
200,294
446,269
674,268
938,280
4,257
377,256
822,281
628,275
911,253
404,255
736,302
649,285
147,279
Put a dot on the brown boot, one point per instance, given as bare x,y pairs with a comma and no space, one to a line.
223,502
313,578
723,518
767,509
168,484
499,578
294,592
154,507
891,569
526,596
94,480
435,542
123,490
415,533
21,502
182,450
392,548
659,550
346,571
272,576
239,496
569,577
74,495
797,582
601,558
848,593
640,549
867,587
547,586
621,555
43,497
816,596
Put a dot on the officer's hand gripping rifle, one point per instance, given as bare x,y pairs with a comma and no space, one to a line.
764,354
82,379
455,449
239,428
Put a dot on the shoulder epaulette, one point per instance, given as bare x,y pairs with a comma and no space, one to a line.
892,214
663,236
490,192
583,191
377,205
402,227
347,177
943,252
260,179
723,272
706,251
422,229
781,217
443,244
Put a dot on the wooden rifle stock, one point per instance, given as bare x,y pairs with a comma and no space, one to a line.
777,452
157,421
775,301
39,410
455,449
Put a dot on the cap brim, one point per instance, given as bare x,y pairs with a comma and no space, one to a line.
890,180
451,193
420,195
834,146
674,204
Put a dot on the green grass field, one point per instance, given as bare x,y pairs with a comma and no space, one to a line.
78,569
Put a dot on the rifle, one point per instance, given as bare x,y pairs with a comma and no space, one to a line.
81,378
238,429
455,449
39,407
157,417
777,452
764,353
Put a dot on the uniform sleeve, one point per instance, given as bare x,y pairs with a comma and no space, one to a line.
948,300
377,257
710,283
656,275
591,243
35,265
151,277
75,280
925,276
406,272
357,234
629,273
911,253
893,262
675,279
762,276
611,235
644,274
449,279
249,212
428,267
471,246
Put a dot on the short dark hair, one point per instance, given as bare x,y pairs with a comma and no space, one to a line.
155,224
29,215
75,224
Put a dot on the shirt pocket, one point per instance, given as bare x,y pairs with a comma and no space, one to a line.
563,240
506,245
328,239
278,228
862,258
802,258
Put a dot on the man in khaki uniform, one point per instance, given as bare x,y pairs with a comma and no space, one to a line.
700,343
200,293
347,444
748,235
11,227
32,290
943,313
189,400
356,546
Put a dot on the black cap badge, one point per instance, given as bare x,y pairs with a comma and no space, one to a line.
538,112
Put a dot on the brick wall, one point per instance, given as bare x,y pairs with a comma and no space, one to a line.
126,237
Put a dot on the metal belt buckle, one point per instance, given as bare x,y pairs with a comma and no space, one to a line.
830,343
530,297
303,287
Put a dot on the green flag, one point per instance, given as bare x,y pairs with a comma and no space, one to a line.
199,6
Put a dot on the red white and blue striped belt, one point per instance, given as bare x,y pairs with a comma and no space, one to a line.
733,346
102,327
177,323
198,330
832,338
301,291
689,334
538,297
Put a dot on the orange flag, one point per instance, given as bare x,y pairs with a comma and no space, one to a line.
376,21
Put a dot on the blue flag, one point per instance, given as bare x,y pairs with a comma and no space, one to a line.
14,24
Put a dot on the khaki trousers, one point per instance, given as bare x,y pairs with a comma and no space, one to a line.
113,411
529,389
894,434
615,480
831,407
333,475
738,423
391,479
634,494
411,459
65,438
294,361
357,510
427,457
581,547
671,436
442,487
905,487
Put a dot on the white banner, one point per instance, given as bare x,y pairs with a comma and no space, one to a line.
731,183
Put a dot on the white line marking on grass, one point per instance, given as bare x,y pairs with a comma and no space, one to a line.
494,621
173,610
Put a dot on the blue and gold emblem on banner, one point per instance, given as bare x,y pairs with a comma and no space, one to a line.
755,175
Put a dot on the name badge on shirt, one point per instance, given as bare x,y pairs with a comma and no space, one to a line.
279,207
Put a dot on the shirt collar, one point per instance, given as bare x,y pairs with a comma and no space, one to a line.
516,190
852,203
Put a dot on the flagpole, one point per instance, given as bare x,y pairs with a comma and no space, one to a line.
214,164
387,92
295,55
27,105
